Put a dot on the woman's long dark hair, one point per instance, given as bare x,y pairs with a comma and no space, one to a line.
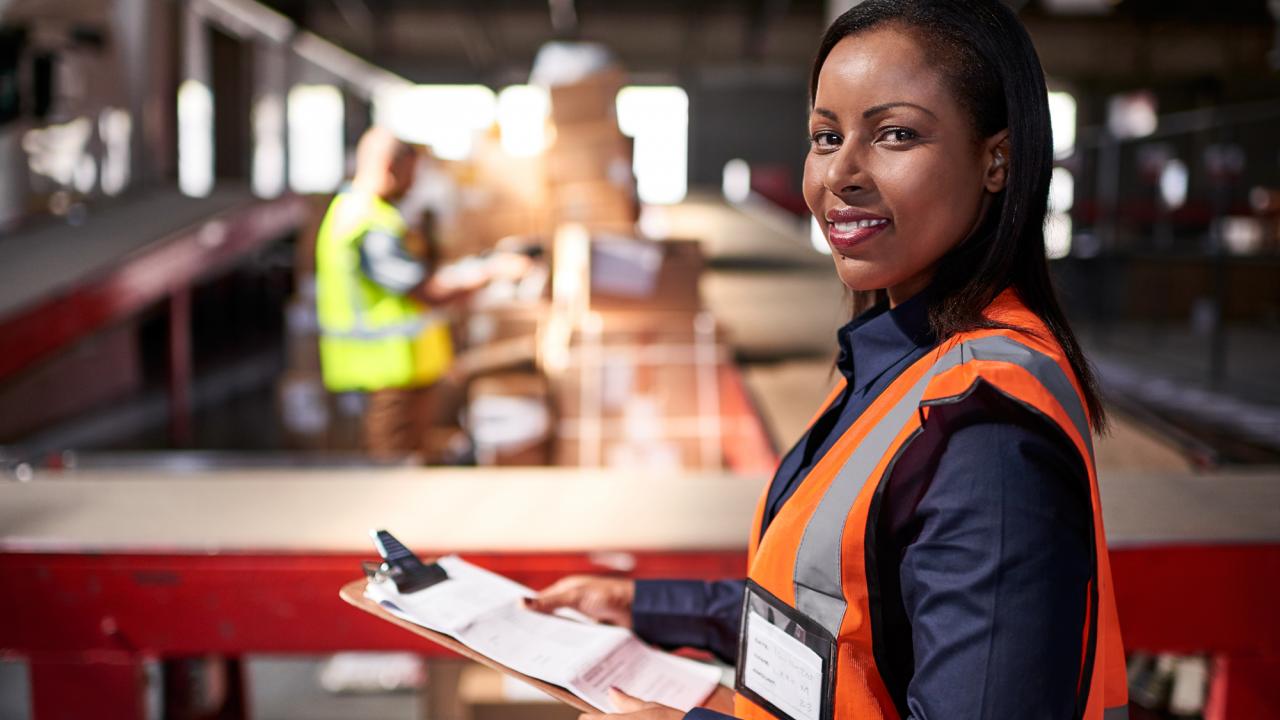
994,72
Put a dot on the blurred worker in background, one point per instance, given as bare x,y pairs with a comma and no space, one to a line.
380,328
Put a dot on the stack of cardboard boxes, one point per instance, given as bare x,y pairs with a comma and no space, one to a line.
497,195
588,164
637,379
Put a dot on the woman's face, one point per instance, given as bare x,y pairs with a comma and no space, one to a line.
894,175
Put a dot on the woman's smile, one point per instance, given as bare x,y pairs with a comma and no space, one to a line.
848,228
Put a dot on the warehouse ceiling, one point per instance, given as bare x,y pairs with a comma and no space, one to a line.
1129,42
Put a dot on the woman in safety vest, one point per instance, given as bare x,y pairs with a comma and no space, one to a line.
932,547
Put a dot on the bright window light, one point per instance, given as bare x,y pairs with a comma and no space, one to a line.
1173,184
522,119
1057,236
1132,115
195,138
1062,190
816,237
446,117
268,146
115,127
1062,118
86,175
736,183
658,119
316,150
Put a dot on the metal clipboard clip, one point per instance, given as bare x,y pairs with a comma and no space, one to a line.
401,566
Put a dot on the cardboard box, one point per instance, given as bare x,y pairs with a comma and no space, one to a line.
509,417
673,285
590,152
592,100
599,206
475,230
642,390
504,322
513,180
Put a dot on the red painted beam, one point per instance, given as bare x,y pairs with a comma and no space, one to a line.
173,605
1199,598
1190,599
33,333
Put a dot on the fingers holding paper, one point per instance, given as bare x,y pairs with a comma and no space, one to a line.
631,708
603,599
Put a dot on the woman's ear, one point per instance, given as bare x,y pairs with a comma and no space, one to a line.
997,154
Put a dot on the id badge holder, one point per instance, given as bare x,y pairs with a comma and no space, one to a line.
786,660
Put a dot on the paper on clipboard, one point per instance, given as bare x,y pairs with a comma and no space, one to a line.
485,612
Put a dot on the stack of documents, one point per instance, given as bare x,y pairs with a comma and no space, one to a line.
486,612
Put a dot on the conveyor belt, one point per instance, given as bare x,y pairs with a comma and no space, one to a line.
533,509
41,262
59,283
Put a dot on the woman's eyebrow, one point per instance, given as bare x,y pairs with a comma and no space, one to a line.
826,114
890,105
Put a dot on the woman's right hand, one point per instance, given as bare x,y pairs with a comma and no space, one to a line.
604,599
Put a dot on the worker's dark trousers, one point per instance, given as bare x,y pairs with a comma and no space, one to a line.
398,422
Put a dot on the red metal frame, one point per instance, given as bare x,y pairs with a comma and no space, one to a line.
90,620
159,605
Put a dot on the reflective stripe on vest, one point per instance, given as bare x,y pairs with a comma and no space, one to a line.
814,555
817,573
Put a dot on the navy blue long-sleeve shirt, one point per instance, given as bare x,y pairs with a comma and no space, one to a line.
983,547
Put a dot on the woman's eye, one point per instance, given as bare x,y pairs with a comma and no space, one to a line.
897,135
824,140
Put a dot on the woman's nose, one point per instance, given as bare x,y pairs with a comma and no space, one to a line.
845,174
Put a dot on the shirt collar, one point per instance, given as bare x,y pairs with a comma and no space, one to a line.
878,338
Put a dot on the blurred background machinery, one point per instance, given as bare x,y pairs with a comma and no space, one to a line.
181,495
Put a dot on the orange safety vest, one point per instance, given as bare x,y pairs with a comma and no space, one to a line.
811,563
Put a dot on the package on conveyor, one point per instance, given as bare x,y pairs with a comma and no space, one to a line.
629,273
508,416
636,372
640,389
499,328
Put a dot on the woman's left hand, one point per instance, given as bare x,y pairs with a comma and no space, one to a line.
634,709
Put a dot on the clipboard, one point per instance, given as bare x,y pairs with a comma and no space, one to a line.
353,593
411,574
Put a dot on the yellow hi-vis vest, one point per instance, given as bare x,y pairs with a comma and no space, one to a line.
370,337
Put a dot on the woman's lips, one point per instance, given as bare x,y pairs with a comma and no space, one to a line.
845,235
